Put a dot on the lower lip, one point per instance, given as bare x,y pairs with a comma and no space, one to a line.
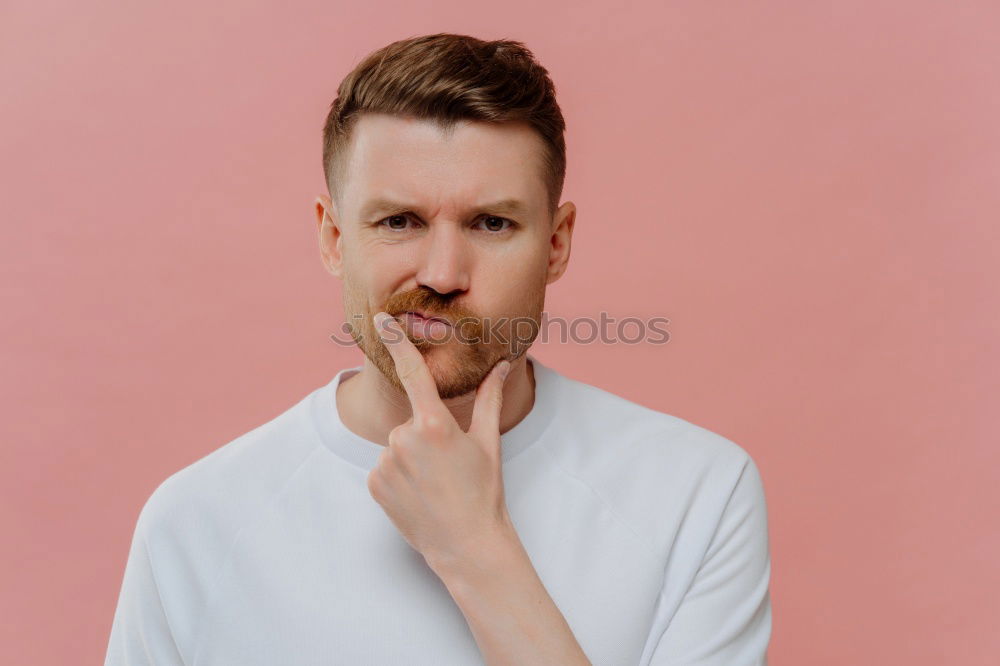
424,328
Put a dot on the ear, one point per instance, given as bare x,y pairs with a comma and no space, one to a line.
328,228
562,237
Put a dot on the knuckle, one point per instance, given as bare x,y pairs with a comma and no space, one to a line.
406,369
433,425
401,453
400,446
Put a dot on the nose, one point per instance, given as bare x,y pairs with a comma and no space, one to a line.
444,264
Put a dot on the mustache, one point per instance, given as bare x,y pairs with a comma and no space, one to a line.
432,304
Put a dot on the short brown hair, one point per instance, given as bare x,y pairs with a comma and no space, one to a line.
447,78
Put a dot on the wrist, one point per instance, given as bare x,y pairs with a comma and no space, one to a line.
479,558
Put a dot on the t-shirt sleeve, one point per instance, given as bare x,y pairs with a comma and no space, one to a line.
725,616
140,632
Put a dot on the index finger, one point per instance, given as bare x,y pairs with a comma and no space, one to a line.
411,369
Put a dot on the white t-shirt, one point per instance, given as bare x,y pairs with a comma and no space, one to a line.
648,532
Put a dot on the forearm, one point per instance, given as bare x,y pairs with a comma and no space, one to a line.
511,615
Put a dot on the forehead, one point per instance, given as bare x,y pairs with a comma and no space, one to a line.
414,160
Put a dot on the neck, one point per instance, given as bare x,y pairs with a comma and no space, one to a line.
371,407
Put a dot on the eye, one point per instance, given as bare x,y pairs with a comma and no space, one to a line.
492,220
390,221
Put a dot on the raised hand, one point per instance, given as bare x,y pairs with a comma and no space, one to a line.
442,487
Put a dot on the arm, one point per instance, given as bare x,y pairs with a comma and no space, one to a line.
140,633
513,618
725,616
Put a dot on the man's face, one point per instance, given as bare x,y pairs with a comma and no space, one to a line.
420,227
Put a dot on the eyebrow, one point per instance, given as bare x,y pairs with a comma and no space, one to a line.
382,206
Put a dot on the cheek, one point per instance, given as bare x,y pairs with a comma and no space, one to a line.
522,261
530,272
513,293
372,277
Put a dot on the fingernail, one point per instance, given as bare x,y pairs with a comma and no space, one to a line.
504,369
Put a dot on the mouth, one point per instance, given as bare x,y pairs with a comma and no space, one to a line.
421,326
421,315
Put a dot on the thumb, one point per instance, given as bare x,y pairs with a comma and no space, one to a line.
489,401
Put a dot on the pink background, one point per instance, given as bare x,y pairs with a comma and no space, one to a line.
809,191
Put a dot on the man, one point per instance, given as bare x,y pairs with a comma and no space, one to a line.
452,500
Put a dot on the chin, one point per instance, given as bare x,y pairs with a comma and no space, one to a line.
457,360
455,353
